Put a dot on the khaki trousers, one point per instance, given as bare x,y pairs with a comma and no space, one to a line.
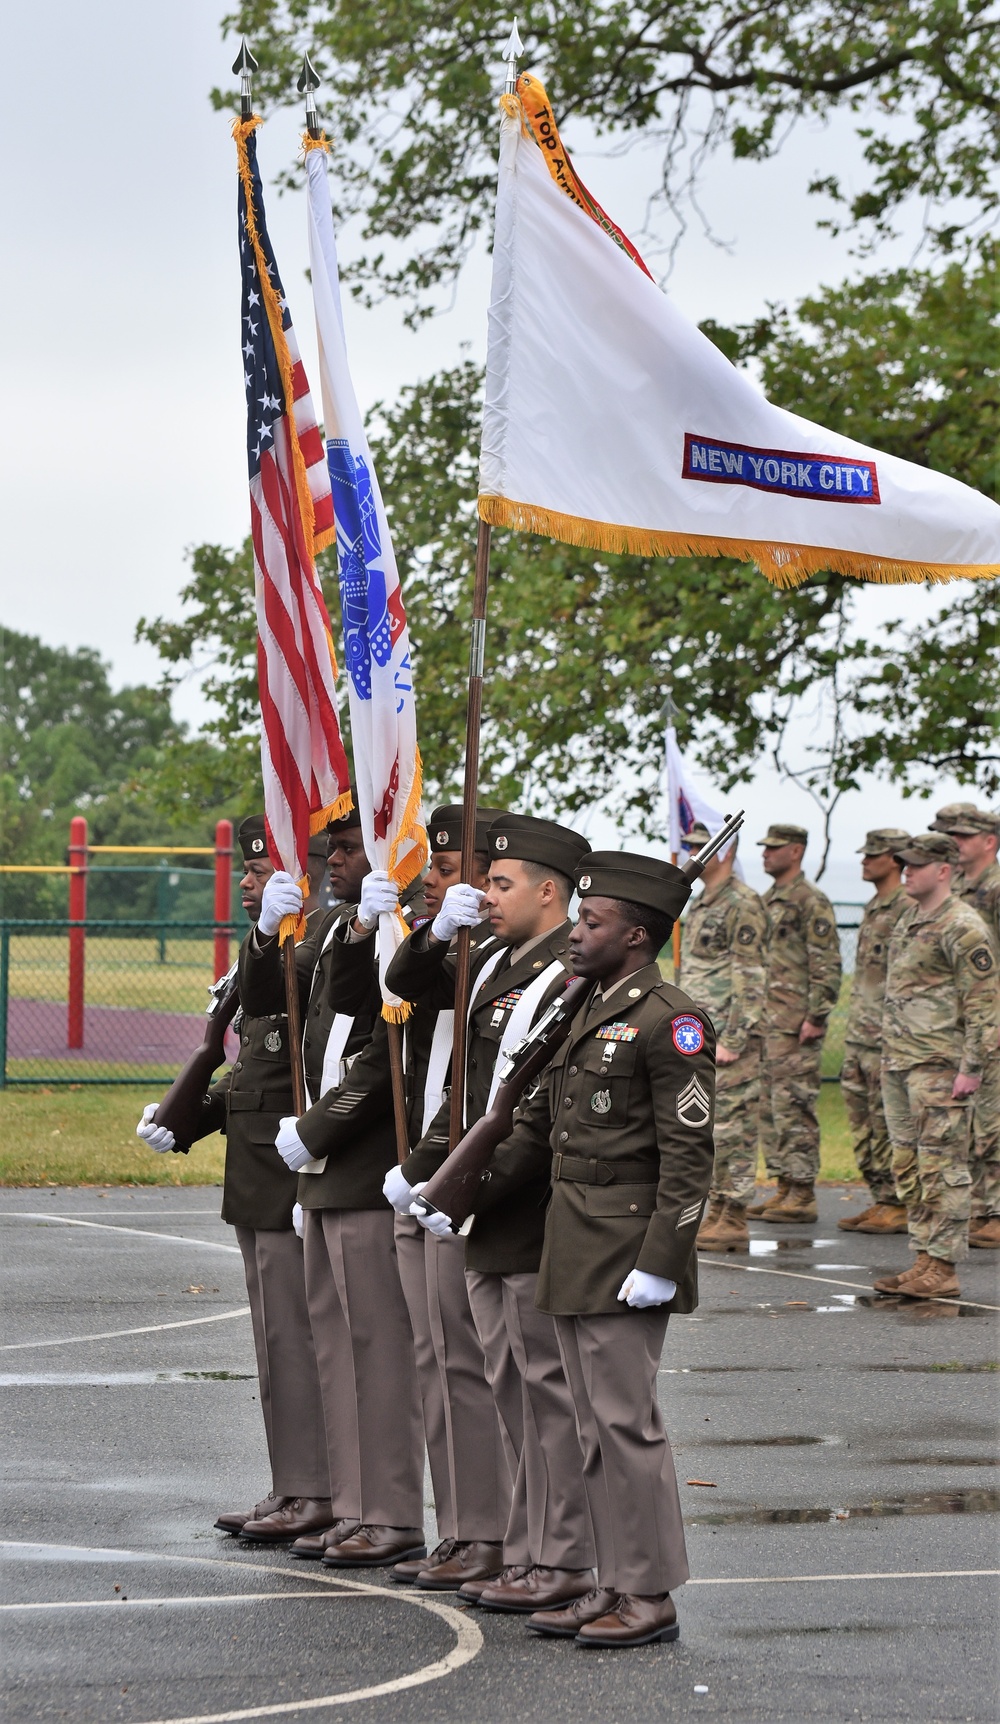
550,1521
364,1351
611,1365
286,1362
469,1468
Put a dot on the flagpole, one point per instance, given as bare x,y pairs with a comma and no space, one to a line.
668,712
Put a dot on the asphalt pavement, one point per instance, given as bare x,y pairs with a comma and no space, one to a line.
843,1537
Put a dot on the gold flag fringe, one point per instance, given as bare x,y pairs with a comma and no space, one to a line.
294,927
319,821
783,565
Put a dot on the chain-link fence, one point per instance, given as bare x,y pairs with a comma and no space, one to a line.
106,1002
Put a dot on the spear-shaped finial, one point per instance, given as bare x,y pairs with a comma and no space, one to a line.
308,84
246,66
669,710
512,53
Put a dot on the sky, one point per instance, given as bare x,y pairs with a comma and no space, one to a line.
127,446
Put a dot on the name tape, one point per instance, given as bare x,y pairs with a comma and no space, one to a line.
826,478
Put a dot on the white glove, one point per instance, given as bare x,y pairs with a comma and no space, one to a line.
297,1220
459,910
159,1137
437,1223
379,897
641,1290
398,1191
281,897
289,1145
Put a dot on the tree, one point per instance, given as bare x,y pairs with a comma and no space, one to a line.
410,91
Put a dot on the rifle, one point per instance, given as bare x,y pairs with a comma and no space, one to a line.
452,1189
182,1109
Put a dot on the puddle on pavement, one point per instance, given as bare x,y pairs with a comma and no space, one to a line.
939,1460
114,1379
768,1247
908,1310
913,1503
948,1367
782,1442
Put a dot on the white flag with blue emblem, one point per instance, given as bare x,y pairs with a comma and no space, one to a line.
376,643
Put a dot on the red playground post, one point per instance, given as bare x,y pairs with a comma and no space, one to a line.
77,934
223,894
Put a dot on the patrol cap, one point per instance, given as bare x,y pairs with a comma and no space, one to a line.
884,841
971,825
698,835
929,847
641,880
252,838
445,829
351,818
957,817
523,838
777,834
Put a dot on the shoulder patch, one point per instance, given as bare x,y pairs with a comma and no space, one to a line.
821,927
982,959
746,935
693,1105
688,1034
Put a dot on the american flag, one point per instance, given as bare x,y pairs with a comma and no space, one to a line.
306,776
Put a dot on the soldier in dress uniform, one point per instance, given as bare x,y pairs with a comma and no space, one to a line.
861,1073
470,1476
803,984
622,1125
258,1194
548,1544
341,1148
724,969
976,833
939,1030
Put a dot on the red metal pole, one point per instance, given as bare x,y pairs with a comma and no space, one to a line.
77,935
223,894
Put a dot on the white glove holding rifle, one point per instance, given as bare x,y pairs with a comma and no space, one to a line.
158,1137
438,1223
460,909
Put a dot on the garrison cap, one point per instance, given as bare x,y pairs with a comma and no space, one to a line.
641,880
252,839
955,816
319,846
523,838
351,818
929,847
967,825
698,835
777,834
884,841
445,829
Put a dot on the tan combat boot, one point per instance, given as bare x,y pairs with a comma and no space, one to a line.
933,1279
713,1215
984,1231
772,1201
799,1205
891,1283
730,1233
882,1218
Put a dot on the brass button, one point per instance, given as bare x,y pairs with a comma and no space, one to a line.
564,1137
246,1041
573,1071
568,1102
238,1067
633,1209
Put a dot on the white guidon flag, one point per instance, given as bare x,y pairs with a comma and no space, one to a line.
612,422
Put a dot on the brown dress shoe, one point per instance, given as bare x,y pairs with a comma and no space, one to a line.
291,1521
317,1543
376,1547
882,1218
471,1559
234,1523
539,1589
799,1204
470,1592
406,1572
566,1624
730,1232
984,1232
771,1201
890,1283
709,1219
935,1279
634,1621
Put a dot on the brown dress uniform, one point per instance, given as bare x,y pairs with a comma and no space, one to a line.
622,1122
803,981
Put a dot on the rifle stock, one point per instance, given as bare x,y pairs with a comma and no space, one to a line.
454,1187
182,1109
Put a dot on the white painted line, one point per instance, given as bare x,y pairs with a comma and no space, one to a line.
181,1600
895,1574
115,1334
829,1281
139,1232
136,1214
468,1637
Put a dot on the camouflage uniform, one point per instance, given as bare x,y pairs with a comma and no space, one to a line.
803,981
984,895
723,968
861,1074
941,1016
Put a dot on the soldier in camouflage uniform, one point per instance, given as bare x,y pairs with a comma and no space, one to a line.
939,1029
803,984
976,832
861,1074
724,969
